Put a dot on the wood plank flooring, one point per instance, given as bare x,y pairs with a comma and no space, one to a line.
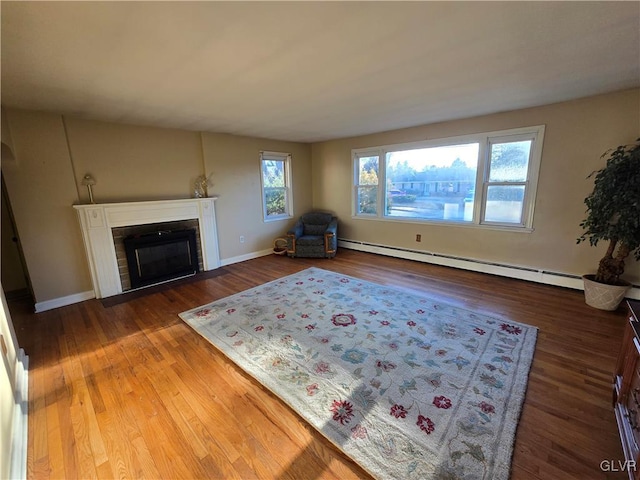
130,391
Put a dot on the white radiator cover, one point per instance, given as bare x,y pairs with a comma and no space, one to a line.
512,271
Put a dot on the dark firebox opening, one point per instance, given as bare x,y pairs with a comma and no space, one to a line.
160,256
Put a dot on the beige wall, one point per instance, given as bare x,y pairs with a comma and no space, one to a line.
233,161
577,133
41,188
145,163
131,163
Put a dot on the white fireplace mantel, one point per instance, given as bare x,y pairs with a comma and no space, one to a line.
97,220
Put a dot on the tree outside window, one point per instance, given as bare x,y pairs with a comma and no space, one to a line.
367,184
276,185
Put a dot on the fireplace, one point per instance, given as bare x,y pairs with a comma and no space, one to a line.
99,222
120,233
161,256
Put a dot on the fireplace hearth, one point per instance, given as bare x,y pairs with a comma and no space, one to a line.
160,256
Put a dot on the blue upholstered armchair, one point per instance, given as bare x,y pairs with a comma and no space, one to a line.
315,234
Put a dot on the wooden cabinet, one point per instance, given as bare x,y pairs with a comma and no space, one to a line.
626,391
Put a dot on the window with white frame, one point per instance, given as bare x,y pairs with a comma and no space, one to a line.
367,183
275,177
486,179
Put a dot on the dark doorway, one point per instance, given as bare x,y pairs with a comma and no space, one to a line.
14,276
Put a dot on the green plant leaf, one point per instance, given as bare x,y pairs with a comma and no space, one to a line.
613,210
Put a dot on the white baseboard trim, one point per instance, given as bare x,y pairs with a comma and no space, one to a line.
82,296
64,301
20,433
248,256
512,271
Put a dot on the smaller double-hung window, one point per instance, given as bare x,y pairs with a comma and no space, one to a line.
508,180
275,177
367,179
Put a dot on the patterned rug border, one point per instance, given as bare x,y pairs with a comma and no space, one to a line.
512,413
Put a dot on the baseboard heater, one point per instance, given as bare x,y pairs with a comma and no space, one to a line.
513,271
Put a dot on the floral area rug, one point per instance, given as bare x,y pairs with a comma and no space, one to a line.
407,386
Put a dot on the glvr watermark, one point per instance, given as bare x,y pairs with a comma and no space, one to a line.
618,465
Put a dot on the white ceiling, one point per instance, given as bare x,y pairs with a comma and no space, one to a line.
307,71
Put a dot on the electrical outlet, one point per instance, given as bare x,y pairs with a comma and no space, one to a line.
418,237
241,238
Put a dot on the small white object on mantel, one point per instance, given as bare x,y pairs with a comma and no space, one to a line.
98,220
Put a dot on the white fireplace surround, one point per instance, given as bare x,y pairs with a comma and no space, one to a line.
97,220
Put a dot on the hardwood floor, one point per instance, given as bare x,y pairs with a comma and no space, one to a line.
130,391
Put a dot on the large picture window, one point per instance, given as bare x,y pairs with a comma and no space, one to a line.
276,185
484,179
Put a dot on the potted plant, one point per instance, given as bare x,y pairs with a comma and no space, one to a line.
613,215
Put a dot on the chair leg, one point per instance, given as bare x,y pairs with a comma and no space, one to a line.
328,240
292,240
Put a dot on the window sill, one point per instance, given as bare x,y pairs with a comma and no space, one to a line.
445,223
277,219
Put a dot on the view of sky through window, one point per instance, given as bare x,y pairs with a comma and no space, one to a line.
438,157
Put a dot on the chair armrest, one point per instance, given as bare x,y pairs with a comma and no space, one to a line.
332,227
296,230
330,238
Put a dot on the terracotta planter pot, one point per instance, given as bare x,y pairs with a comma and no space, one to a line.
603,296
